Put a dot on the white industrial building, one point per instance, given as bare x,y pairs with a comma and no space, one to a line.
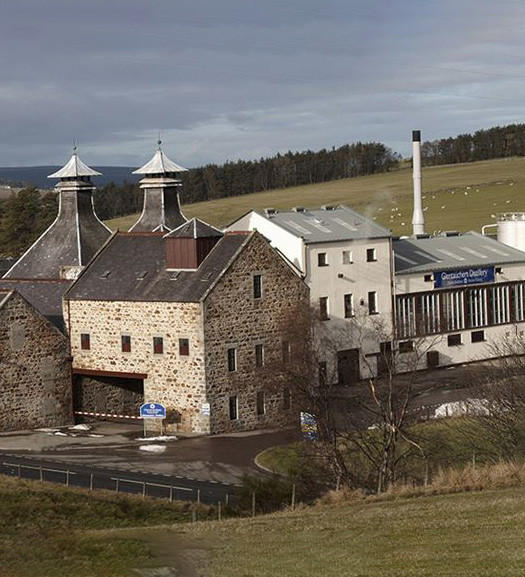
452,295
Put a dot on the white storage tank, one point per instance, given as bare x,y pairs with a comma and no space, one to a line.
511,229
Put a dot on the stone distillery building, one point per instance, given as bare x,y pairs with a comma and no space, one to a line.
35,368
188,318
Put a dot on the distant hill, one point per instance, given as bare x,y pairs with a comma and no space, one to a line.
37,175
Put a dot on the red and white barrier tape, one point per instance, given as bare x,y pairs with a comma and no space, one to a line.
88,414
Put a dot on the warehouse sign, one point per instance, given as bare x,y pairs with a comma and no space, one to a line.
445,279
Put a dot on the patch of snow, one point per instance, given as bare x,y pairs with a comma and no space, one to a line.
80,427
60,434
160,438
95,436
47,430
153,448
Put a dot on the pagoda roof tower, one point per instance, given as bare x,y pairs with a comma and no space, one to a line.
161,209
75,235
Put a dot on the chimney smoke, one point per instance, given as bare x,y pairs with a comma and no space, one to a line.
418,220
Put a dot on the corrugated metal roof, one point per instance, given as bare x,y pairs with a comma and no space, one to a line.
160,164
414,255
74,167
327,225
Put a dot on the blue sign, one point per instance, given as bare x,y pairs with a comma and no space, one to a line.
309,427
152,411
451,278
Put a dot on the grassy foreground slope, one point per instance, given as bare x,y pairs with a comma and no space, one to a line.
469,534
459,196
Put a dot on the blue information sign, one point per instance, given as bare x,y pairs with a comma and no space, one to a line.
451,278
309,427
153,411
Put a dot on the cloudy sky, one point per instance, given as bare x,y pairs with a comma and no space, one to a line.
229,79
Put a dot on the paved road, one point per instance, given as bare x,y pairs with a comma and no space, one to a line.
95,477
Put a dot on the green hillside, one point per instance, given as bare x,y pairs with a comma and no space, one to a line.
469,534
456,197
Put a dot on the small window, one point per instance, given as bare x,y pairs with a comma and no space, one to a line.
323,308
158,345
286,352
477,336
454,340
125,342
287,399
322,372
372,303
261,409
232,360
259,355
406,346
234,409
257,286
349,305
184,347
85,343
321,259
371,255
347,257
428,278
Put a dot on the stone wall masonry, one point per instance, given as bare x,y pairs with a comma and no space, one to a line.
176,381
35,370
233,318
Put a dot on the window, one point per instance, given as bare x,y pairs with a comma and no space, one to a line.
500,300
125,342
406,346
234,409
347,257
261,409
371,255
476,307
430,313
349,306
406,319
321,259
286,352
287,399
372,303
184,347
454,340
85,343
232,360
477,336
322,372
158,345
259,356
323,308
257,286
519,301
454,310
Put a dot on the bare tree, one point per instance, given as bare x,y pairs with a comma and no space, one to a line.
369,419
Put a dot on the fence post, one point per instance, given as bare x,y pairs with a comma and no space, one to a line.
91,482
171,494
198,496
253,503
426,473
143,489
227,499
19,471
293,496
67,478
116,484
41,474
219,510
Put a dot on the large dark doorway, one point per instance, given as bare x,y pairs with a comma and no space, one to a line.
105,397
348,366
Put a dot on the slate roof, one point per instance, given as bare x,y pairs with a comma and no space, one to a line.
413,255
327,225
132,267
44,295
195,228
74,167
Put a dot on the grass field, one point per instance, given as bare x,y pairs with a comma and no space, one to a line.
469,534
43,530
456,197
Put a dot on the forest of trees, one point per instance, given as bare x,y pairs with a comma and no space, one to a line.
496,142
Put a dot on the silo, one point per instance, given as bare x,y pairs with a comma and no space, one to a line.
511,229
